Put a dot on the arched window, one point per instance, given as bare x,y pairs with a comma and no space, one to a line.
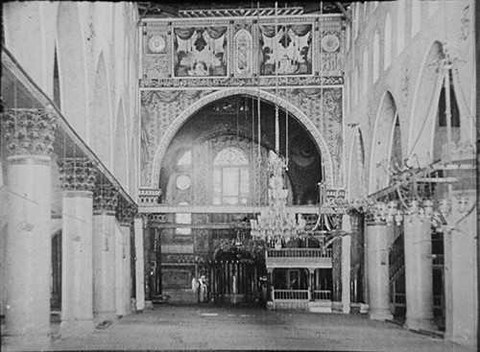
356,86
376,56
231,181
185,159
56,81
366,76
400,26
355,19
387,54
416,17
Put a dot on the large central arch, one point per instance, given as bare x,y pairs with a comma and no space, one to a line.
292,109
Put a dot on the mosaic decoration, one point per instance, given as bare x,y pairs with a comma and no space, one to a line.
286,49
159,108
243,53
200,51
324,106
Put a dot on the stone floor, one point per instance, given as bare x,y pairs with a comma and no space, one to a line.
206,327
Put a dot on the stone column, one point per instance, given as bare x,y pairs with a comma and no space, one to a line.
418,272
125,214
357,262
127,290
78,181
28,134
378,235
139,265
119,270
311,285
104,205
460,270
345,265
337,275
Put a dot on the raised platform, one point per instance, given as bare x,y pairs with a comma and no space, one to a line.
309,306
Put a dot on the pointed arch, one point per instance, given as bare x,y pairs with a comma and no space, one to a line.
416,17
424,107
72,67
356,166
366,75
376,56
56,81
120,158
400,32
266,96
387,43
101,120
382,142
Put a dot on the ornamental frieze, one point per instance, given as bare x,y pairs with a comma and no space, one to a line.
77,174
286,81
28,131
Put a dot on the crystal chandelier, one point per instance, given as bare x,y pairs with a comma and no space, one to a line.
275,223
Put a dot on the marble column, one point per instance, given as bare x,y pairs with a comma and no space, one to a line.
346,250
461,270
357,262
418,272
127,290
104,207
139,265
28,134
378,237
78,181
119,271
125,214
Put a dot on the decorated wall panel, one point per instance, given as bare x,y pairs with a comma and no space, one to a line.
291,57
246,51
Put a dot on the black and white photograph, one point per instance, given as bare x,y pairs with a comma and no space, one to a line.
238,175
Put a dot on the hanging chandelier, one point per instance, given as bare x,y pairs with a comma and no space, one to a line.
276,224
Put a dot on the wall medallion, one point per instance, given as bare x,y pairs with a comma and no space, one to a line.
157,44
183,182
330,43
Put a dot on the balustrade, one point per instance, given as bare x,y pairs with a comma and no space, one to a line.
322,295
302,295
299,253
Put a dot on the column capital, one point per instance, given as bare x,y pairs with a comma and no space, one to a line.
374,219
105,198
126,212
77,174
29,131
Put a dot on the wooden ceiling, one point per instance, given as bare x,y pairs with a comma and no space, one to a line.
180,9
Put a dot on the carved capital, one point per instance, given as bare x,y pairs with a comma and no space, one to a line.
373,218
29,131
77,174
126,212
105,198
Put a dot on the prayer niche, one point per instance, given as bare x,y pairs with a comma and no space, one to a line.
286,49
200,51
